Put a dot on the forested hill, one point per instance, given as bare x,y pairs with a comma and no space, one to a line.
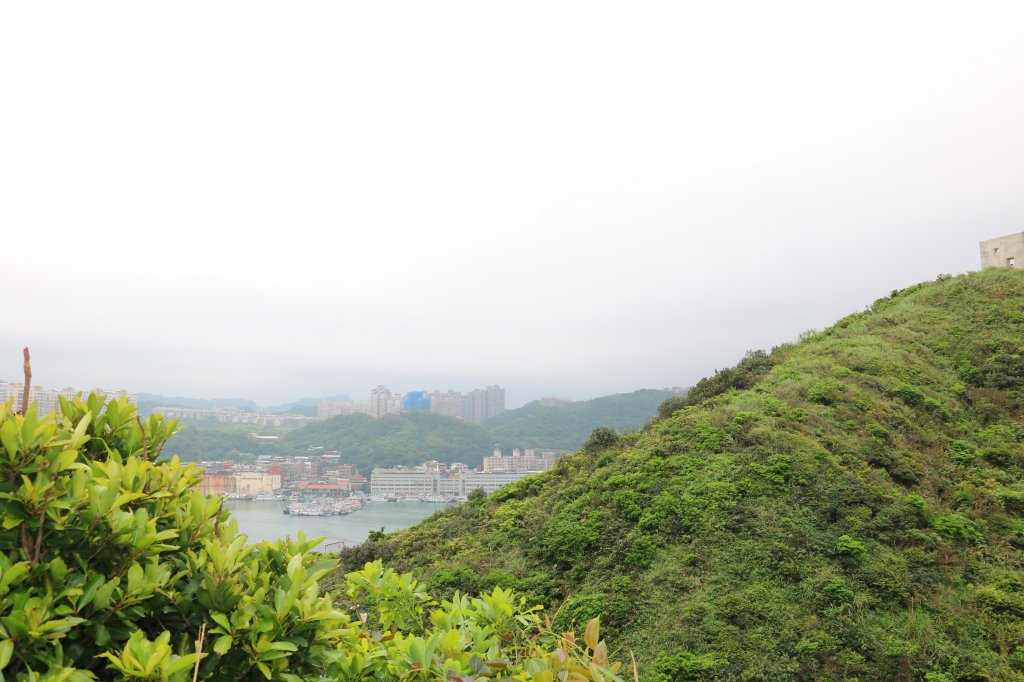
851,507
363,441
566,426
415,437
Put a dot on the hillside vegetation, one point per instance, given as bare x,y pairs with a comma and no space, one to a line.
566,427
113,567
850,507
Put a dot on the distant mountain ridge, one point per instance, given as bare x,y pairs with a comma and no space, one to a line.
147,401
158,400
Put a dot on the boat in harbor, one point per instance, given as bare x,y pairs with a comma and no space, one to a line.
324,507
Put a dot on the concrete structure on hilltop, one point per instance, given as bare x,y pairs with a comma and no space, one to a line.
1003,252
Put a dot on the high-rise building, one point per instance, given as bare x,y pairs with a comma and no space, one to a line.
495,398
448,404
380,402
416,401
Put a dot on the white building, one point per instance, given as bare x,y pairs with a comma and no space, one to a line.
433,479
520,461
380,402
48,400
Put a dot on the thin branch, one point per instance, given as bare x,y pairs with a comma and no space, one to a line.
28,381
199,651
145,441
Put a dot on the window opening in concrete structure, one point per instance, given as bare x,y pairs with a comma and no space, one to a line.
1011,261
995,251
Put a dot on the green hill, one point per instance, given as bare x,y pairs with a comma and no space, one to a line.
566,426
365,442
395,439
414,437
850,507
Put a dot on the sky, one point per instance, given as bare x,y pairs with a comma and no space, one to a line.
275,199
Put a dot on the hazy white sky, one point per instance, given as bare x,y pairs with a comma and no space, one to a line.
285,199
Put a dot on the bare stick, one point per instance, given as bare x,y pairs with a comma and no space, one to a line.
199,651
142,430
28,382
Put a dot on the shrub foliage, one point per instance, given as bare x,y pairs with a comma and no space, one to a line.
112,566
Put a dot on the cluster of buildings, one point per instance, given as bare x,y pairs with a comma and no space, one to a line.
435,480
321,476
476,406
326,475
234,415
48,400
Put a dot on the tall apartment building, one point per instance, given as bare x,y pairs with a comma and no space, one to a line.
482,404
476,406
380,402
448,404
495,397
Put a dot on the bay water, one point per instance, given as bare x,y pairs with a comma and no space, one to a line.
266,520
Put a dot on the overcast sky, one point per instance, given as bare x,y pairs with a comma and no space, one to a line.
284,199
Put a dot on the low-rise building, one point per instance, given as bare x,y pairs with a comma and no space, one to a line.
1003,252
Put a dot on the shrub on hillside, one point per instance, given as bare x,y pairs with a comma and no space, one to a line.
112,566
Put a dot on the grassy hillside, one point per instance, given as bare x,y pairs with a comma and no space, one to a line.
851,507
566,427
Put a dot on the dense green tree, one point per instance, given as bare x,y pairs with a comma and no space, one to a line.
113,567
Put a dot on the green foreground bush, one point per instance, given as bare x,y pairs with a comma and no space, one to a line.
112,566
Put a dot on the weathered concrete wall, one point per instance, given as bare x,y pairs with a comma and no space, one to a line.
1003,252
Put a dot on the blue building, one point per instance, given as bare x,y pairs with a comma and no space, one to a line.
416,402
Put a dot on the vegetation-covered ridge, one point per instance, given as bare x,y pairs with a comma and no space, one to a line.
849,507
113,567
409,439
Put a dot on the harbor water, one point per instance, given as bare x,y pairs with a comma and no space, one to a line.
266,520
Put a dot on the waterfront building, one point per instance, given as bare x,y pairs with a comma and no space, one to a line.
520,461
436,479
256,482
